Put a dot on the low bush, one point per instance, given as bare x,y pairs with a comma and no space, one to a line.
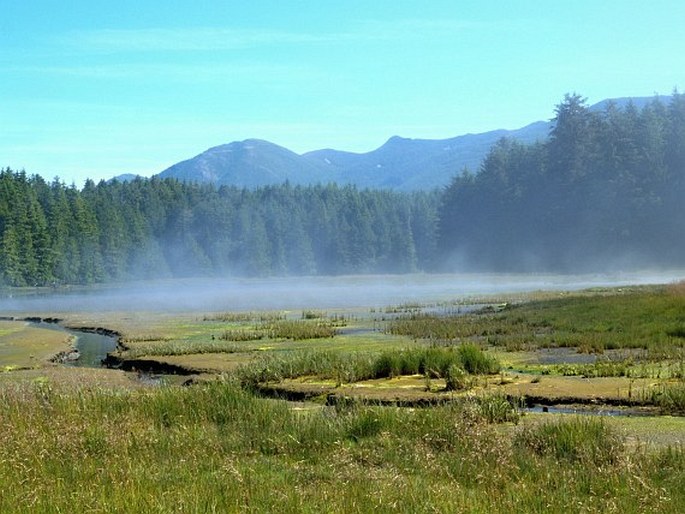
435,362
475,361
456,378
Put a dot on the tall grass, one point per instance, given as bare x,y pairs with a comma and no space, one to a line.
182,348
642,318
216,448
432,362
670,398
242,317
342,367
298,330
585,439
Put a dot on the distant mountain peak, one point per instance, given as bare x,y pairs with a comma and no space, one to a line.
400,163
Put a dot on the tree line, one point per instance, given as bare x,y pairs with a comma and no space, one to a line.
605,191
151,228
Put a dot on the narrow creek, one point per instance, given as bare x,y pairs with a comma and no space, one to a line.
594,411
92,345
91,348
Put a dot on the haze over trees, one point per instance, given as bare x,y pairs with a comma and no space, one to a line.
151,228
605,190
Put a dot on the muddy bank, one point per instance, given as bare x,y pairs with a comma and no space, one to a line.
548,401
34,319
102,351
324,395
148,366
95,330
595,410
330,395
67,356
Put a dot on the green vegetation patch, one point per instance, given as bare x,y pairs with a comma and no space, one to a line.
215,447
669,397
649,318
343,367
581,439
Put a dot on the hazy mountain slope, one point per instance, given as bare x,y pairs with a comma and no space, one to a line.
250,163
125,177
638,102
410,164
400,164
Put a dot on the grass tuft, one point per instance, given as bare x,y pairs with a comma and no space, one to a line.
588,440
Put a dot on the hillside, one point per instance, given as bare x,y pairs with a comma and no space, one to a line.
400,164
250,163
413,164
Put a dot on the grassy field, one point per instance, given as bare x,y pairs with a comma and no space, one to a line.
97,440
217,448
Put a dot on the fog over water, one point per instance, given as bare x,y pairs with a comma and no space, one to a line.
187,295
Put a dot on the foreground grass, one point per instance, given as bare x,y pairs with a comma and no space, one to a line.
215,448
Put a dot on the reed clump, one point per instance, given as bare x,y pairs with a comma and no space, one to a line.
300,329
670,398
434,362
181,347
244,317
648,319
582,439
349,367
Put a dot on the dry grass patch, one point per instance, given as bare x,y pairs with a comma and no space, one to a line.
560,388
23,346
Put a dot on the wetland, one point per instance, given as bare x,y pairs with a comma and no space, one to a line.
331,398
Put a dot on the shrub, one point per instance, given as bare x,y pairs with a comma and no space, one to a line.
388,364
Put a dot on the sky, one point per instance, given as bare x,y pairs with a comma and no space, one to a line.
94,88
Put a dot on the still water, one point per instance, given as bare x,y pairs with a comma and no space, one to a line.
92,347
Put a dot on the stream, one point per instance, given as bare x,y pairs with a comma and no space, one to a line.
589,411
92,346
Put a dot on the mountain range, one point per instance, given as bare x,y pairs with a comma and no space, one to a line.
401,164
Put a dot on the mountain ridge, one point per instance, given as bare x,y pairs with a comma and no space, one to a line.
403,164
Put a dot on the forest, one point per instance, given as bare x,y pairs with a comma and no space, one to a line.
55,234
604,191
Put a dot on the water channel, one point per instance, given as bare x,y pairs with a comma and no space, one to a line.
92,346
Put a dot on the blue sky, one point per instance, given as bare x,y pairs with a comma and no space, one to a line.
94,88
